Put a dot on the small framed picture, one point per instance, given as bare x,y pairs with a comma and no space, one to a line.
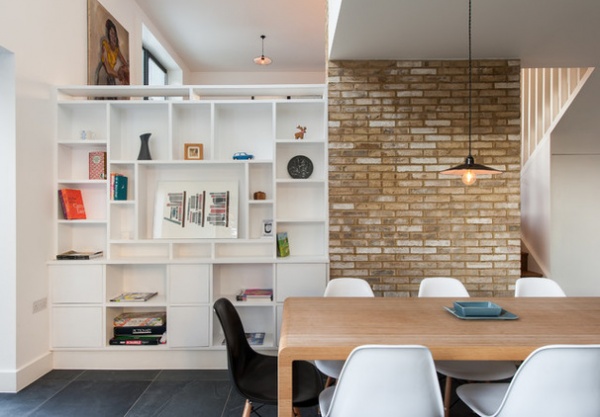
267,227
193,151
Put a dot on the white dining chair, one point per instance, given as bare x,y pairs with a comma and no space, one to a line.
538,287
463,370
342,287
554,381
385,380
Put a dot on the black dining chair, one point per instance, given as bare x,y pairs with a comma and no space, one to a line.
254,375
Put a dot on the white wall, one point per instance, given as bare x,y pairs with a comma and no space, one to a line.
256,78
576,194
8,253
535,207
49,42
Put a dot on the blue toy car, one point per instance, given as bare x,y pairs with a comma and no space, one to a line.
242,156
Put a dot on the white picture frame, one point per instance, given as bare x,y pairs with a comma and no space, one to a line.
196,209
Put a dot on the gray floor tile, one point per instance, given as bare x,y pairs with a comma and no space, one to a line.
93,399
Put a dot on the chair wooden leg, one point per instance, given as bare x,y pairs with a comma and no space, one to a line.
247,409
329,381
296,411
447,396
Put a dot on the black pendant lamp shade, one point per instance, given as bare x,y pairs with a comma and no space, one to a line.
469,170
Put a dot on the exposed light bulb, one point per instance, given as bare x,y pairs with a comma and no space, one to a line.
469,177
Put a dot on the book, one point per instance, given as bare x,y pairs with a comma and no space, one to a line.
71,203
256,295
133,296
283,245
138,319
97,165
139,330
119,190
136,340
254,339
76,255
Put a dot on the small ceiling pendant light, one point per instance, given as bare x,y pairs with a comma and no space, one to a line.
262,59
469,170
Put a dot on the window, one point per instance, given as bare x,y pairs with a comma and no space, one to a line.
154,72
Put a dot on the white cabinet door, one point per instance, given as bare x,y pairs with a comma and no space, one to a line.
301,280
76,284
187,326
77,327
189,284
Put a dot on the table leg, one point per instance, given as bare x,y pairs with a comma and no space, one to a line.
284,402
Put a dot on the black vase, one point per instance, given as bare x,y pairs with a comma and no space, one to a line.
144,148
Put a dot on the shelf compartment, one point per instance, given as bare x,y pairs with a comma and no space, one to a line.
258,214
243,127
255,318
75,118
81,235
73,159
314,151
301,200
192,250
301,237
253,248
150,175
130,120
260,179
136,278
230,279
310,114
112,312
122,220
140,250
93,193
191,124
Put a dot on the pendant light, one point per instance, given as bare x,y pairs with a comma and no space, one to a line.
469,170
262,59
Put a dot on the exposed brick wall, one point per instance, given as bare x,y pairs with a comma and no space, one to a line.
393,126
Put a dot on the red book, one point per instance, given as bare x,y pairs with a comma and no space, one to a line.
71,203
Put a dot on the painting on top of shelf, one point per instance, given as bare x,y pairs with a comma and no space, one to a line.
108,48
196,209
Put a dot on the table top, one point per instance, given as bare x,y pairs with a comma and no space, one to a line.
330,327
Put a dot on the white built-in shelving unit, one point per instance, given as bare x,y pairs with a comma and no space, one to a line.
188,274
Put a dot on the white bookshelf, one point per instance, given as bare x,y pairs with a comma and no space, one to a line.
189,274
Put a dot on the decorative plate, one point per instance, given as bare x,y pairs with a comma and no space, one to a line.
300,167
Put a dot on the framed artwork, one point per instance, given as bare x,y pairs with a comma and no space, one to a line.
108,48
196,209
193,151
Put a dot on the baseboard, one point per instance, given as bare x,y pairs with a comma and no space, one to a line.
15,380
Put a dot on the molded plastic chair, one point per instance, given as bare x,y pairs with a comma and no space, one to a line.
538,287
554,381
254,375
464,370
342,287
382,380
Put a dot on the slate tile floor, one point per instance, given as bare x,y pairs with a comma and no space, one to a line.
148,393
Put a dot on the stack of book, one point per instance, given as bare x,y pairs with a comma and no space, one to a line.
259,295
146,328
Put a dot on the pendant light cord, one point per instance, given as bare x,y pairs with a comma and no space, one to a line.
470,82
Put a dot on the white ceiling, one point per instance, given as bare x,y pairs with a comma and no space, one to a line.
224,36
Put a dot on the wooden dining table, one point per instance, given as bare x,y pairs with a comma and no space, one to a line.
330,328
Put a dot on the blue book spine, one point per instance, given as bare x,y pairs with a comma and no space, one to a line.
120,187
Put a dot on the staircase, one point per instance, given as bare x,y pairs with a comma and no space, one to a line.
524,267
